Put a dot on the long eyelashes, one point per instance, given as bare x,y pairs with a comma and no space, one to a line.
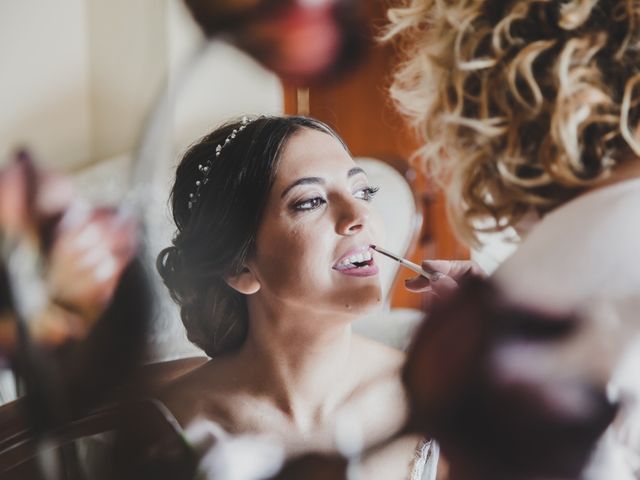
310,204
366,194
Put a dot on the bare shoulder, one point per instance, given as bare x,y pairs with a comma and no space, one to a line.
206,391
376,369
375,357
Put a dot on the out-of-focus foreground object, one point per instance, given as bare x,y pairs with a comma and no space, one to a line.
74,311
303,41
476,384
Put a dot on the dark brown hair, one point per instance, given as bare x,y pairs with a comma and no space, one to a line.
215,237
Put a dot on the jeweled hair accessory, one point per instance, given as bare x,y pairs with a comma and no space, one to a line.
206,168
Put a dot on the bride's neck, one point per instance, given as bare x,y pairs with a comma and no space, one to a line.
298,360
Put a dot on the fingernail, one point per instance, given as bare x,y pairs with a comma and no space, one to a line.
77,213
106,269
95,256
89,236
435,276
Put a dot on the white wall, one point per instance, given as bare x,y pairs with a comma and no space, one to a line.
223,83
78,77
127,61
44,80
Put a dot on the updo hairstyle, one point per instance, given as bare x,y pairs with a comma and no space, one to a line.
215,237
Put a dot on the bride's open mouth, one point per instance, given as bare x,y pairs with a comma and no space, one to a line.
358,263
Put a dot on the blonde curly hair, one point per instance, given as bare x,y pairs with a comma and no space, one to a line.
520,104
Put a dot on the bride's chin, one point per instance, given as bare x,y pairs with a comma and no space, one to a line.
365,300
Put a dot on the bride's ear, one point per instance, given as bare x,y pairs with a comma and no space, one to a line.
244,281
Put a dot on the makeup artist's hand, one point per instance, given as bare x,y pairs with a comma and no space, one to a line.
448,274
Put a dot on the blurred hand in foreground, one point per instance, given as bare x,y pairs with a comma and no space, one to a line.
90,250
60,249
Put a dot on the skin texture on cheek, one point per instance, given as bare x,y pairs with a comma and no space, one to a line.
295,268
288,271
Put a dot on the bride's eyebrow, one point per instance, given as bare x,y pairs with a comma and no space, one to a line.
318,180
355,171
303,181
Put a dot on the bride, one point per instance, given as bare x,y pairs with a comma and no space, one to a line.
270,265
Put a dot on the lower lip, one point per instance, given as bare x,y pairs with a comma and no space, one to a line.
367,271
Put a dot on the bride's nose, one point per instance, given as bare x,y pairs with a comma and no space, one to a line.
352,216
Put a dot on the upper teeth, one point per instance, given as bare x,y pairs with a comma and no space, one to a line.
357,258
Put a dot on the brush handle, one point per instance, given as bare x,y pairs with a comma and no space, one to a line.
431,276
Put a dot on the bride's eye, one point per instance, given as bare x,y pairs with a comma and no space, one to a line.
366,193
310,204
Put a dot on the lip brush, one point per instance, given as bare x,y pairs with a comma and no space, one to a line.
431,276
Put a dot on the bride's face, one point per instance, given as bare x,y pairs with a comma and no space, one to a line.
312,247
